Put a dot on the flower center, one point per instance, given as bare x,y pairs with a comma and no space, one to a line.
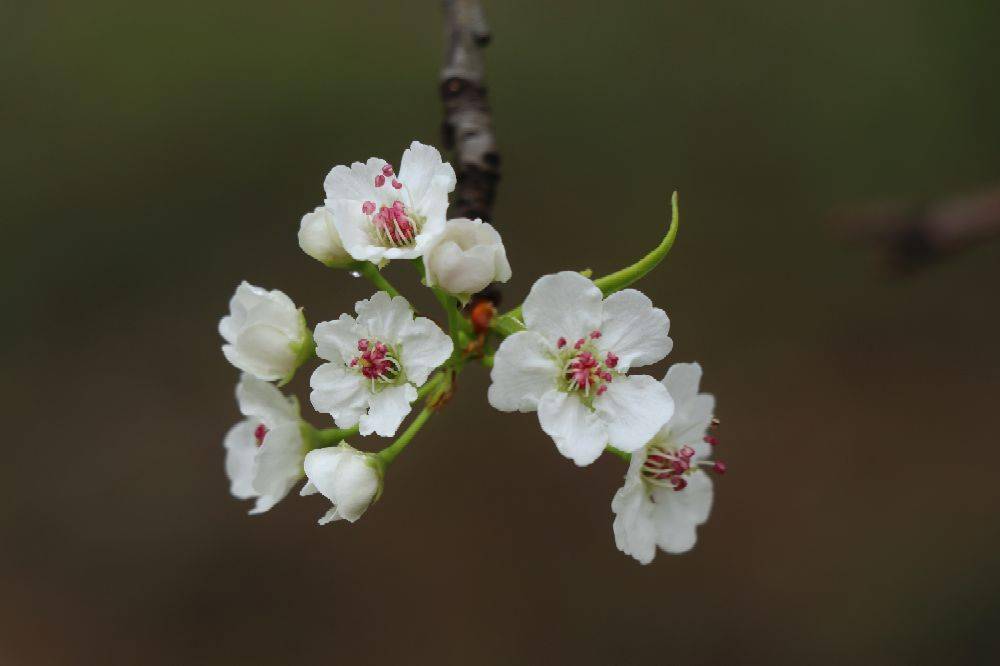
393,225
376,362
666,466
584,369
259,433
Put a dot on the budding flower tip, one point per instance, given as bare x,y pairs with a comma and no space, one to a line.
719,467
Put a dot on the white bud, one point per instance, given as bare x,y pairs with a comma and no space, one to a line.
467,257
319,239
265,333
350,479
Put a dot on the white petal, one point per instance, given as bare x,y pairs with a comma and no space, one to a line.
422,167
340,393
564,304
264,351
692,411
355,183
241,449
578,433
354,229
337,340
356,484
330,516
279,461
678,513
308,488
524,369
634,409
634,330
319,239
262,401
635,532
424,347
384,317
387,409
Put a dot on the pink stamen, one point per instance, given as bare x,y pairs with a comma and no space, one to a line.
719,467
600,391
379,180
387,171
560,343
611,360
594,335
362,345
578,343
396,184
368,207
259,433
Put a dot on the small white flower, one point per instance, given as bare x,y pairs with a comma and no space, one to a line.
319,239
377,361
570,366
382,216
350,479
265,333
667,493
467,257
264,452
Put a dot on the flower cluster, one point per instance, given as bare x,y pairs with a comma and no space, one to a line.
570,353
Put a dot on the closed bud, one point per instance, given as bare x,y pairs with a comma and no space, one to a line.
349,478
319,239
467,257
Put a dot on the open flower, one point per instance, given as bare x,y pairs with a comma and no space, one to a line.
376,363
667,492
264,452
381,215
467,257
319,239
571,366
266,335
349,478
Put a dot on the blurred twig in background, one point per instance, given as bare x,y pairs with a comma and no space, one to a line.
915,235
468,123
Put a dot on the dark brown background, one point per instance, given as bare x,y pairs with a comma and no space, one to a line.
156,153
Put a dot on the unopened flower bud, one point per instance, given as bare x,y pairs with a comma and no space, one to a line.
467,257
319,239
349,478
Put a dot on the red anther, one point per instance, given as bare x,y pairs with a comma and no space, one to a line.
380,348
606,376
396,184
712,440
600,391
387,171
379,180
354,361
594,335
656,458
611,360
578,343
686,451
679,482
368,207
719,467
560,343
482,316
259,433
362,345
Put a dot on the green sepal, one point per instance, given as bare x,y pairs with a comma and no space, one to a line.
303,350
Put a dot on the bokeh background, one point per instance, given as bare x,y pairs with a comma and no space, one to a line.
154,154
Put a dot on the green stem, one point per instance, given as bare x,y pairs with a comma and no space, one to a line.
334,436
618,280
371,271
389,453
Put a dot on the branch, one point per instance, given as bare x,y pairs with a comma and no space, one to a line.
915,235
467,128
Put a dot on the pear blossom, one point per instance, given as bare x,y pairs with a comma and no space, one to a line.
381,215
376,362
264,452
349,478
667,492
466,257
571,366
319,239
266,335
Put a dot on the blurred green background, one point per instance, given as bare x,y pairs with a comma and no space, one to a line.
154,154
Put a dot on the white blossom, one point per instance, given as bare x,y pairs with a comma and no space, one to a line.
350,479
376,363
571,366
319,239
264,452
265,333
667,492
381,215
467,257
